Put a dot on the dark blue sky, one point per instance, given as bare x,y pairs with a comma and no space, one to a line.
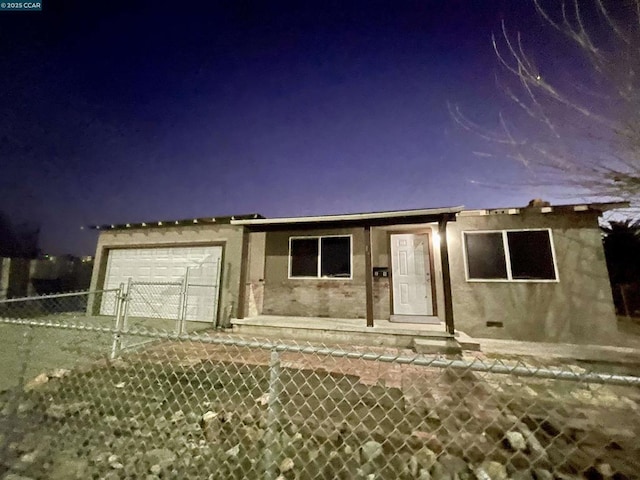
116,111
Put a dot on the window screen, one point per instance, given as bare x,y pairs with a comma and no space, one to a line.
335,257
531,256
485,256
304,257
328,257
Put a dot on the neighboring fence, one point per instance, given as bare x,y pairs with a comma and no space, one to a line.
20,277
211,405
72,304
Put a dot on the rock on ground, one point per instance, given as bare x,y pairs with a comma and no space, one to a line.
370,451
516,441
490,470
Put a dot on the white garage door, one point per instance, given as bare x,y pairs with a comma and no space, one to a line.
157,275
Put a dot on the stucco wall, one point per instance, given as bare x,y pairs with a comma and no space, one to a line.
577,308
230,237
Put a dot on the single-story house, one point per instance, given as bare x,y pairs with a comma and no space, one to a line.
535,273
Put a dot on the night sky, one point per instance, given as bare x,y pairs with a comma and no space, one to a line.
122,111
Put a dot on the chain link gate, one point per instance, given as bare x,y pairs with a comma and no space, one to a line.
216,406
185,305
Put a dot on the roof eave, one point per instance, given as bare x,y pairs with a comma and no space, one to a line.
351,217
598,208
606,206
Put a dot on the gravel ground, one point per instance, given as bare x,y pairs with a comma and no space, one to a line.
37,349
193,410
177,409
27,351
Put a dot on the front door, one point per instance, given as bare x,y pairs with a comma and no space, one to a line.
411,274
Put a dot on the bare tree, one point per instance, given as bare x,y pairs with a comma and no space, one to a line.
576,121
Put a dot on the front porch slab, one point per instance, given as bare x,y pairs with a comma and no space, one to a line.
347,331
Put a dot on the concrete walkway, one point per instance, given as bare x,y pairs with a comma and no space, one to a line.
342,324
562,351
401,335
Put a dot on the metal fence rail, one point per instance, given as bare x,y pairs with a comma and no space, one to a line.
71,303
212,405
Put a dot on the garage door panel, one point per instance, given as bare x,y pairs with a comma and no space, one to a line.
167,265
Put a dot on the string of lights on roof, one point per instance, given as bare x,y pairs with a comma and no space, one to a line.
259,219
167,223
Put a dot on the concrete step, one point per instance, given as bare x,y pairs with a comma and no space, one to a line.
432,346
340,331
327,336
466,342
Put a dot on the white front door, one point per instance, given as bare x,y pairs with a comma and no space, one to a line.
411,274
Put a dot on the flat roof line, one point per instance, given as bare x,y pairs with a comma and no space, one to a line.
255,219
170,223
579,207
350,216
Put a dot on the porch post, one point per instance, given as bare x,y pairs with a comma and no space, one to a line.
244,275
368,274
446,275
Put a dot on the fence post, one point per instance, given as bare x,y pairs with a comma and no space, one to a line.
272,441
182,310
117,339
126,299
216,307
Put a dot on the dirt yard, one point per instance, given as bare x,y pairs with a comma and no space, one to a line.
41,349
194,410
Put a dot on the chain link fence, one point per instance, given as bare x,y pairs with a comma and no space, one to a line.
67,333
186,304
73,305
216,406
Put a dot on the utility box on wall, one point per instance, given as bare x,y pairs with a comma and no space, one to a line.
381,272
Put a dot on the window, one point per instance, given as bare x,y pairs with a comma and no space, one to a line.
304,257
531,255
517,255
320,257
485,255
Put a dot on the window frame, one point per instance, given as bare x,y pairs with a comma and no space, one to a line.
319,261
507,257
